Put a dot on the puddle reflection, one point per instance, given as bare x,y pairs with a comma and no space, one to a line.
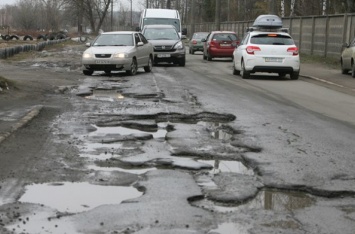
282,201
216,131
102,131
228,166
77,197
106,95
132,171
230,228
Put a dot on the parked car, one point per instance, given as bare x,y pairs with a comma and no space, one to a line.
347,58
118,51
219,44
267,48
195,43
167,44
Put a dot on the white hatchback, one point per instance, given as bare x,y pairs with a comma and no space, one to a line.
267,51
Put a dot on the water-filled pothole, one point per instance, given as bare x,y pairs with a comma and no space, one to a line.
228,166
275,200
102,131
137,171
77,197
105,95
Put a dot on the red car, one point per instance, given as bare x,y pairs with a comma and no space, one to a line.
219,44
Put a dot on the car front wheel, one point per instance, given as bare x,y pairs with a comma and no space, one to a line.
149,66
133,69
182,62
343,70
353,70
88,72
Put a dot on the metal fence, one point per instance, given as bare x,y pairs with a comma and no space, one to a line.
314,35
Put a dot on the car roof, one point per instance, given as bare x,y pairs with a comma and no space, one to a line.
120,32
268,32
223,32
159,26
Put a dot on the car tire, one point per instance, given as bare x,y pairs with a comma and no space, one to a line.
182,62
243,73
134,68
343,70
353,70
149,66
88,72
294,75
235,71
107,72
192,51
204,56
282,75
28,37
209,57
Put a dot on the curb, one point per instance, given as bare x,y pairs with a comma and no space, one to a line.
322,80
23,121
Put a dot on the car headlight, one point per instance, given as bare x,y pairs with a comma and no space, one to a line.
120,55
87,55
179,46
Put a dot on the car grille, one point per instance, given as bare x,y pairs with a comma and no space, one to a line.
164,49
102,55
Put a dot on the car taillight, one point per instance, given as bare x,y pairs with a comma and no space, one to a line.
194,42
294,50
213,43
252,49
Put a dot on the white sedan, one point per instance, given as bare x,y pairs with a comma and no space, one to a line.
272,52
118,51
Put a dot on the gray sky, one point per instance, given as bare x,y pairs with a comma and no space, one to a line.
136,3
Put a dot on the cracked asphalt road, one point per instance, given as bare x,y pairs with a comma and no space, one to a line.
208,151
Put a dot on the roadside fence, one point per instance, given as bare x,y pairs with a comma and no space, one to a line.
314,35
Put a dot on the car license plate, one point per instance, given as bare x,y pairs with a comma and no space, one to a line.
273,59
225,45
102,62
163,55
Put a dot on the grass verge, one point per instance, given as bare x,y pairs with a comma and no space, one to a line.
331,62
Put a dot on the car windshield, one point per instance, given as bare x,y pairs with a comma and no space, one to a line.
114,40
165,21
199,35
272,39
161,34
225,37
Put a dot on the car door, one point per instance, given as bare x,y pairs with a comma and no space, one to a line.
147,48
238,52
205,43
140,54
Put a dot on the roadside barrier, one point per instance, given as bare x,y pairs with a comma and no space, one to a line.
11,51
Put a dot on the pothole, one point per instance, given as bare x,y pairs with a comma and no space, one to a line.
268,199
77,197
104,95
138,171
228,166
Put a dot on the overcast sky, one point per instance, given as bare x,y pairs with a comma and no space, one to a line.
136,3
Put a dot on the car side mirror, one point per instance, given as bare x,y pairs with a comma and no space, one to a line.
345,45
137,29
183,37
184,31
140,43
203,40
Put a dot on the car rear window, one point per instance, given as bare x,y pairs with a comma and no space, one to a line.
225,37
199,35
271,39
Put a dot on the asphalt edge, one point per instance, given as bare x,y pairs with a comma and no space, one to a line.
21,122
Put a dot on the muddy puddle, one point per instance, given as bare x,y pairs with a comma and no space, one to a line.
77,197
275,200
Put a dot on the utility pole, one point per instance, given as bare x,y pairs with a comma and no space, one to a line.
112,16
272,6
131,16
218,15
